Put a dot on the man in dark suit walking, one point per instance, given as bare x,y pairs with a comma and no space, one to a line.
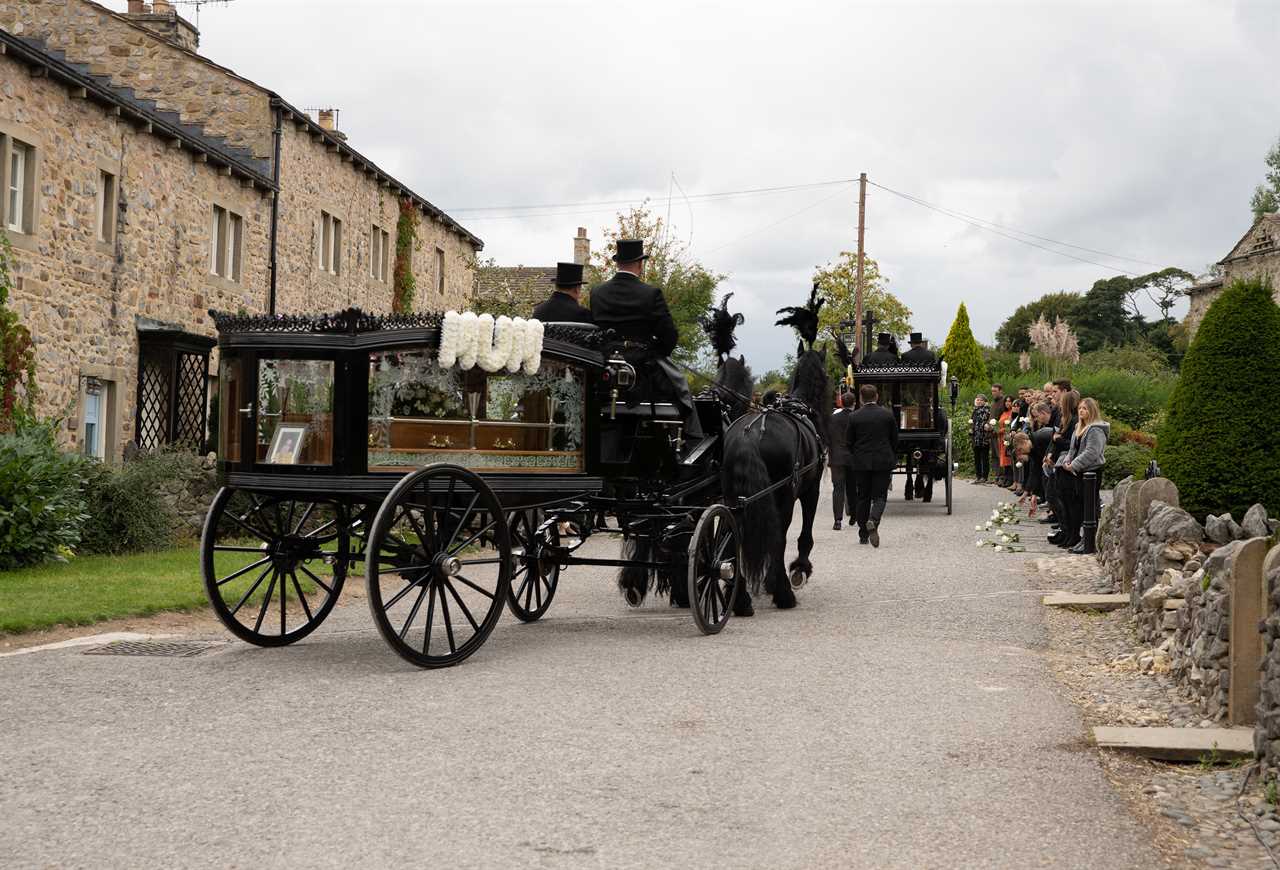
842,489
873,454
563,306
638,313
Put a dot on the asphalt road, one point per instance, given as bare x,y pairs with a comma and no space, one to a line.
901,716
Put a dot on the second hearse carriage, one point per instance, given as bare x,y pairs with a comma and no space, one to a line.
350,439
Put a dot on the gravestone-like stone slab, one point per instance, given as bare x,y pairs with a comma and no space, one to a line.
1248,608
1178,744
1086,602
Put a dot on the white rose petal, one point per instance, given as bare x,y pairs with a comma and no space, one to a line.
999,548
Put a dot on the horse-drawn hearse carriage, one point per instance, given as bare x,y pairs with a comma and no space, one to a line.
914,394
463,479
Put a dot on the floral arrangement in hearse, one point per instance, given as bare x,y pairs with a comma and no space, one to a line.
1001,538
469,339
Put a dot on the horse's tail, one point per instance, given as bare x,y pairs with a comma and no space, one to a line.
634,580
746,475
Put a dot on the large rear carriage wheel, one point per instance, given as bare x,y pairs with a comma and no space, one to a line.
437,566
951,468
535,572
273,566
715,568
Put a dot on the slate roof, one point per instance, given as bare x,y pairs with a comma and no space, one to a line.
532,280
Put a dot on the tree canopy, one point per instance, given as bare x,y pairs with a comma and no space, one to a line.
837,281
962,352
689,287
1013,334
1266,197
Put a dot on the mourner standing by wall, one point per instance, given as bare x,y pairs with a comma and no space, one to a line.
873,454
997,407
638,313
1068,405
564,305
842,485
980,436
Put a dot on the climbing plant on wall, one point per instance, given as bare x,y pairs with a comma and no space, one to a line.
406,235
17,354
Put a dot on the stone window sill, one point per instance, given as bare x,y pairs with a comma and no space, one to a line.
217,281
23,241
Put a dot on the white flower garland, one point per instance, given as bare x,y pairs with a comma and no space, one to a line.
468,338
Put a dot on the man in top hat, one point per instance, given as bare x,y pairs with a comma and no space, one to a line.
919,354
638,313
563,306
884,354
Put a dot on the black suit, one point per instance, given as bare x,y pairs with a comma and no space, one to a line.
920,356
562,308
881,357
635,310
842,488
873,454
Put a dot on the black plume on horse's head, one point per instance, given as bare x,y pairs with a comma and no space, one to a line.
719,325
804,318
842,351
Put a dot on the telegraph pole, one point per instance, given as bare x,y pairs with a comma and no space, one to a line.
862,226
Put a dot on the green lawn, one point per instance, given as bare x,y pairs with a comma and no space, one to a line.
93,588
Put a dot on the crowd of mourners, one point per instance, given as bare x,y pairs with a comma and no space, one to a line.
1039,444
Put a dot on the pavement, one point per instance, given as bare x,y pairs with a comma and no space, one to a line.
903,715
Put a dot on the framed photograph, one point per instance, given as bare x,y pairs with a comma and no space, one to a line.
286,445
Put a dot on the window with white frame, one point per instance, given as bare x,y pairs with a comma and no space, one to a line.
330,244
226,244
379,253
97,408
440,271
21,161
106,206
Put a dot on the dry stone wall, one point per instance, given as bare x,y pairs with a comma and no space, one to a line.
1266,734
1168,540
1111,539
1201,648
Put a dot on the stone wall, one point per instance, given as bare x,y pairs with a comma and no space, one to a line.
1111,539
1201,648
79,296
1169,539
181,81
190,495
314,179
1266,734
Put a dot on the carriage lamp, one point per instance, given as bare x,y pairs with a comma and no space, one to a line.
622,377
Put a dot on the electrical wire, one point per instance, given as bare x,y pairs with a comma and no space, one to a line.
770,226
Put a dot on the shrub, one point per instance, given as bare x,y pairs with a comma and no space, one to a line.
1222,436
1123,460
1140,358
1124,396
962,352
41,505
128,511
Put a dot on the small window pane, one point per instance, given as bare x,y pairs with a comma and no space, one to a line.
440,271
375,245
337,246
17,185
230,399
295,412
217,259
386,253
106,203
326,240
234,237
92,425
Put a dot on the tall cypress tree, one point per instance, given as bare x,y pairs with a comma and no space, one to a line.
962,352
1221,440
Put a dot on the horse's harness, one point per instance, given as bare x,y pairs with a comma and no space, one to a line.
802,418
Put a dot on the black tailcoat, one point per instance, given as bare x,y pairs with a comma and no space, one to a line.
635,310
561,308
873,439
879,357
920,356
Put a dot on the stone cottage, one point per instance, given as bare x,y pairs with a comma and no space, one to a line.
1256,254
144,184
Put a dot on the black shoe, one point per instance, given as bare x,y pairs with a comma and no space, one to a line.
862,539
1078,549
1044,521
873,532
906,496
836,527
1056,539
1069,543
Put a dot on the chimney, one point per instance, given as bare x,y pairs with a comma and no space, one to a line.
137,7
326,119
581,247
161,7
161,19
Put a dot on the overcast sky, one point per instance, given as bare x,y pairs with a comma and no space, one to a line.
1133,128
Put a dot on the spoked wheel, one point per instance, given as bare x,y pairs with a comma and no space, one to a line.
534,570
273,566
951,467
715,560
438,565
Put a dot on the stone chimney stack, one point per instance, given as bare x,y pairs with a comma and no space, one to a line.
161,19
581,247
137,7
325,119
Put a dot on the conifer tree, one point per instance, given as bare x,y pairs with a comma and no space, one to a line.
962,352
1221,440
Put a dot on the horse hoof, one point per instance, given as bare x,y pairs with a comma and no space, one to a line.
785,604
633,597
798,579
744,612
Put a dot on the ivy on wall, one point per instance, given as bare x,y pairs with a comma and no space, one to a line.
17,354
402,280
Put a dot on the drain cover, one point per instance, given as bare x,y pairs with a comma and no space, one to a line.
171,649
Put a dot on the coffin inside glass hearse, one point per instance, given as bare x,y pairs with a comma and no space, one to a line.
374,400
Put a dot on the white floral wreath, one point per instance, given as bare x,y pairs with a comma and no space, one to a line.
511,343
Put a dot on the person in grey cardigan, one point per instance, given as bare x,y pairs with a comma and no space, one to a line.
1086,452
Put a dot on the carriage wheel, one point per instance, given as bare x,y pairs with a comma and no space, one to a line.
951,468
715,559
437,566
273,566
534,572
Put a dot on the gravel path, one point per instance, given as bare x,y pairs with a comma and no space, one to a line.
904,715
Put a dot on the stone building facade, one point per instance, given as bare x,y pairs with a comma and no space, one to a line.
116,114
1257,254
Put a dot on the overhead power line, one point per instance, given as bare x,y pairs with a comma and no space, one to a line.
993,227
753,191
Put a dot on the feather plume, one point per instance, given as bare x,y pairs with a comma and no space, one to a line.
842,351
804,318
719,325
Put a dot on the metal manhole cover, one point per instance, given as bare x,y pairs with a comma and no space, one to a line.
171,649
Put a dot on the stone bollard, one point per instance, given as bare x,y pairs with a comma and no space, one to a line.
1248,609
1090,492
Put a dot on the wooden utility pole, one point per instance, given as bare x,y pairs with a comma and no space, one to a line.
862,226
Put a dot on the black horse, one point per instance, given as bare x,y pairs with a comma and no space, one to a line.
786,440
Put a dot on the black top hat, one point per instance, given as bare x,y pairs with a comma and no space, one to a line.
630,250
917,338
569,275
884,338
